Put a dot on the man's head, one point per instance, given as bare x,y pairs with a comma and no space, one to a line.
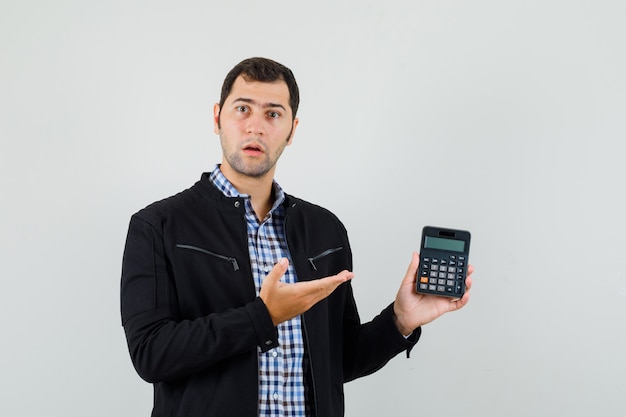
263,70
255,118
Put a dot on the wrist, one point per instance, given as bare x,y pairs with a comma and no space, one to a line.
404,330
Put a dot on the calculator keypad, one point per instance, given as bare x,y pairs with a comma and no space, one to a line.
443,275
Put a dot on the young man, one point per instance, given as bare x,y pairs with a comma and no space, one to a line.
236,297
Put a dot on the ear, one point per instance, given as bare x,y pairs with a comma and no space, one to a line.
216,118
293,130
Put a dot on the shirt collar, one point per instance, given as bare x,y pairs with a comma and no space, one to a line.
219,180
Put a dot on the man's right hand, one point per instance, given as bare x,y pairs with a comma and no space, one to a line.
286,301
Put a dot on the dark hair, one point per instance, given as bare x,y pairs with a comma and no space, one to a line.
264,70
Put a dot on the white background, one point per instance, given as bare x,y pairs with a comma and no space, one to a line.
506,118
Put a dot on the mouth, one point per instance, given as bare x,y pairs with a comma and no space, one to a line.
253,149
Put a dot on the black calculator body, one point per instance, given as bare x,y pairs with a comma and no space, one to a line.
443,261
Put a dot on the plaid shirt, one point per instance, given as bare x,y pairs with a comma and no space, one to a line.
281,377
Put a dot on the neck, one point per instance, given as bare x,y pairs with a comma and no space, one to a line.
258,188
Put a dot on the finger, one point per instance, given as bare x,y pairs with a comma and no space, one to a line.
457,303
330,284
323,287
345,275
464,300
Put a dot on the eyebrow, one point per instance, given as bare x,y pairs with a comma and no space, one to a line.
264,105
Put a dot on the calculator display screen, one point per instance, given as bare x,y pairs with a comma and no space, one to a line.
444,244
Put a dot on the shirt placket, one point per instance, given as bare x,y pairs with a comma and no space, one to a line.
274,358
266,245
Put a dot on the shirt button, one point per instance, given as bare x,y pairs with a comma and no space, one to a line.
237,204
267,268
274,353
275,396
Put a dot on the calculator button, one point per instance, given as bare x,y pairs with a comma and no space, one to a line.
424,279
442,275
434,268
451,269
423,286
433,273
441,288
450,276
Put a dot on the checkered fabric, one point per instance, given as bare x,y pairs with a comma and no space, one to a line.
281,377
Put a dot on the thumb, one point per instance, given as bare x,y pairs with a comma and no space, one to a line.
277,271
412,269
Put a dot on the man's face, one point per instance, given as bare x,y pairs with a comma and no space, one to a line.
255,125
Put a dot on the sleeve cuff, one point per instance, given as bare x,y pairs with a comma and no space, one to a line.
266,332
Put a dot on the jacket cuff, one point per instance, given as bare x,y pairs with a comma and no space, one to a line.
407,342
266,332
412,340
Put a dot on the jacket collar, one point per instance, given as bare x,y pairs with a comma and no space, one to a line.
233,204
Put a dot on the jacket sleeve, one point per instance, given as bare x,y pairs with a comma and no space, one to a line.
163,346
369,346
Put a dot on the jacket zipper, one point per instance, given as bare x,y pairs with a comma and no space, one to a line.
321,255
233,261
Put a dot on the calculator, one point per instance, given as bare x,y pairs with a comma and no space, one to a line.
443,261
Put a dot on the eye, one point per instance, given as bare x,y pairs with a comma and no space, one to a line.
243,109
273,114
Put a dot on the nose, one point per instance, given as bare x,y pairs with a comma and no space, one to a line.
255,124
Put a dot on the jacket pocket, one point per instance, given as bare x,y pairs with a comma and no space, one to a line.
230,259
312,260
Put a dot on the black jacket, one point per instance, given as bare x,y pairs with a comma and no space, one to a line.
193,321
